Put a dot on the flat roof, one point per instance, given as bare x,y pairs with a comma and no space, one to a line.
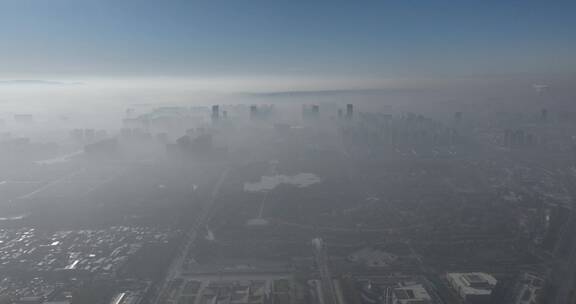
483,282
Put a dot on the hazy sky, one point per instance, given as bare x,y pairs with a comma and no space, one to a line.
366,39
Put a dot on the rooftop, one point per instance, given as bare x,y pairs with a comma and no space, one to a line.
475,283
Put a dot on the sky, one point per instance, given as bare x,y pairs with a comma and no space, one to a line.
300,41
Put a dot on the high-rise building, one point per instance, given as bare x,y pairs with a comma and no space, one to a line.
458,117
310,112
349,111
215,113
315,110
89,134
253,112
340,114
544,114
507,137
77,135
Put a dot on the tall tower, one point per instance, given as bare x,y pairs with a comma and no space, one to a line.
544,114
215,113
315,111
458,117
349,111
253,112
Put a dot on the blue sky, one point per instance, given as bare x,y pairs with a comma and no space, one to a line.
236,38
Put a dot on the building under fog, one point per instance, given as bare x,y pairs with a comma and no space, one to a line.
474,287
215,113
349,111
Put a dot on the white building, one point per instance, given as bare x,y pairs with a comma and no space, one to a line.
412,293
473,287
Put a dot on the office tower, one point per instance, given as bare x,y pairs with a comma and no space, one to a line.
315,111
77,135
253,112
349,111
544,114
89,134
215,113
458,117
507,137
340,114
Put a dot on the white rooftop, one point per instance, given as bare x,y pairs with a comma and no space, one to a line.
473,283
416,294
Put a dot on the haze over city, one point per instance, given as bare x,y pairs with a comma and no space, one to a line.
287,152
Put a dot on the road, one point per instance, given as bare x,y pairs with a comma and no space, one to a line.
565,270
191,236
50,184
327,286
273,172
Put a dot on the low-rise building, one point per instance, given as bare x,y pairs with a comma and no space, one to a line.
413,293
529,289
473,287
